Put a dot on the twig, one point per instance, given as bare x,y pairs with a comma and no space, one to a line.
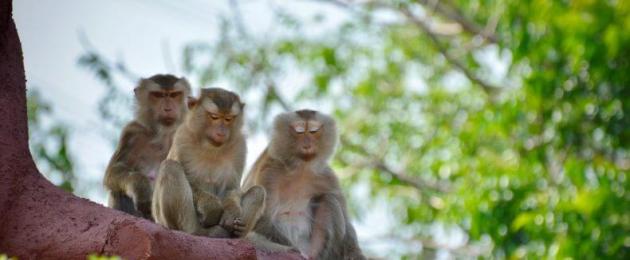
271,88
489,89
238,18
417,183
455,15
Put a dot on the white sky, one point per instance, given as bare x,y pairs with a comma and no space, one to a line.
135,31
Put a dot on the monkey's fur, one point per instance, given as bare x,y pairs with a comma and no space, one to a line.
198,186
305,206
145,142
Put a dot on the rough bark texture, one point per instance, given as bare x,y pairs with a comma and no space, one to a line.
40,221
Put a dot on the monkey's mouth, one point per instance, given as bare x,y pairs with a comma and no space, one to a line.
216,143
167,121
307,156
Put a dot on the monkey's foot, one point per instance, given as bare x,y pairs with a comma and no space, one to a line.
239,228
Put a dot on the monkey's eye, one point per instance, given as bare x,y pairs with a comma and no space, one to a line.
213,116
313,129
228,119
175,94
299,129
157,94
314,126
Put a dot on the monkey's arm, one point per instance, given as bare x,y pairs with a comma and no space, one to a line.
122,176
232,212
207,204
328,223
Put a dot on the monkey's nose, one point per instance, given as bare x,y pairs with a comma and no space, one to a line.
168,109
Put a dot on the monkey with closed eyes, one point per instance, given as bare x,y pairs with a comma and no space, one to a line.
305,206
198,187
145,142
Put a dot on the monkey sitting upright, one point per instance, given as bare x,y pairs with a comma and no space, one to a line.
145,142
197,190
304,203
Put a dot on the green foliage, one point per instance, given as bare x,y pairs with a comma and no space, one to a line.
100,257
49,142
534,157
5,257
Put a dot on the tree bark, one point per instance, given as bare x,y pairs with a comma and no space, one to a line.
41,221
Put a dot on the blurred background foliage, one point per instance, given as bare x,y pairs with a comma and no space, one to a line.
507,121
48,141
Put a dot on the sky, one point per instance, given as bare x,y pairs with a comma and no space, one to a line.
139,32
135,31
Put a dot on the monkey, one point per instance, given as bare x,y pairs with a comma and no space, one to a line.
198,185
161,103
304,203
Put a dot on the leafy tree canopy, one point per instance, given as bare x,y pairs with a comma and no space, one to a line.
509,120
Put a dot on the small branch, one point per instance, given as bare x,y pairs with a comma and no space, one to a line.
238,18
417,183
430,244
455,15
374,162
486,87
489,89
271,88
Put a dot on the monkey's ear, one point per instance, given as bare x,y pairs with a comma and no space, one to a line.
141,86
242,106
192,102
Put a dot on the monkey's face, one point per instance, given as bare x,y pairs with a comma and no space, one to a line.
219,127
162,98
307,135
221,111
167,105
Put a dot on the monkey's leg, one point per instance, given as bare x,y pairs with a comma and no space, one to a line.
209,208
174,200
328,228
265,227
175,206
262,243
253,205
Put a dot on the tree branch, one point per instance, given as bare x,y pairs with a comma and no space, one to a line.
455,15
376,163
489,89
417,183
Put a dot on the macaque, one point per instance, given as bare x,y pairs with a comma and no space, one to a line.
304,202
197,190
145,142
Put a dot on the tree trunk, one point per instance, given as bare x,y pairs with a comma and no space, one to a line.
40,221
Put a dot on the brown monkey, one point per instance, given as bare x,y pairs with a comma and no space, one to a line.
304,202
145,142
197,189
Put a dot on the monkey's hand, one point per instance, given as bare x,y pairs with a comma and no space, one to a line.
139,189
210,209
232,221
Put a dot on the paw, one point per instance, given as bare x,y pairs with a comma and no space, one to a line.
239,228
233,224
